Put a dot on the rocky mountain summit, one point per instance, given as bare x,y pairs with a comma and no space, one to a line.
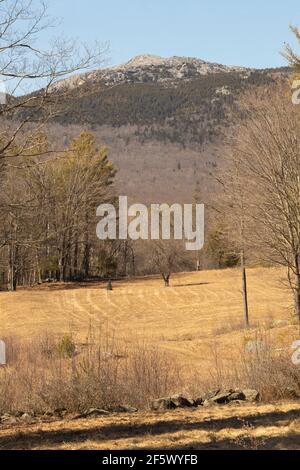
150,69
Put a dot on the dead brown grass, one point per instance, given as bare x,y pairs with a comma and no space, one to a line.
198,321
183,319
234,427
141,341
105,373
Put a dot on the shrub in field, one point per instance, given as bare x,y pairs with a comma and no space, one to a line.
265,366
66,346
45,374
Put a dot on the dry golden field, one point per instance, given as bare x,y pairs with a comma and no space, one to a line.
196,311
199,314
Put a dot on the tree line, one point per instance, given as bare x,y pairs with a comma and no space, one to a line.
48,214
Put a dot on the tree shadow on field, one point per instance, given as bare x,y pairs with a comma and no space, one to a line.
73,285
192,284
28,437
290,441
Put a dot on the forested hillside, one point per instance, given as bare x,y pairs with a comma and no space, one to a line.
193,111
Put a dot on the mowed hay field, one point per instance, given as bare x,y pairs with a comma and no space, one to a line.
197,314
197,310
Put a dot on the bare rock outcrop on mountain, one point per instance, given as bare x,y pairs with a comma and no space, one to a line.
149,69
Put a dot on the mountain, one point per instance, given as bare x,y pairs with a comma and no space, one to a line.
164,120
178,99
150,69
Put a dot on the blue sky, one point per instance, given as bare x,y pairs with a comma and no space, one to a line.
233,32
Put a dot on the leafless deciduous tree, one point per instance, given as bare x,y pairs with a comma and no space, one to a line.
48,216
168,257
26,67
267,155
24,112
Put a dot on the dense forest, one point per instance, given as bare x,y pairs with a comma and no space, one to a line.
185,112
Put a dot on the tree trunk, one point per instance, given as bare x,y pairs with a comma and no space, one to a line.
86,259
38,268
297,304
62,261
11,266
76,255
297,291
60,268
166,278
245,290
13,254
86,249
133,262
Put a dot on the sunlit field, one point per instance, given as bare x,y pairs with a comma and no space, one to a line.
197,322
198,309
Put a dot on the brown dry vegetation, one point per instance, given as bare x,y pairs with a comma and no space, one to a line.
149,341
233,427
185,318
178,318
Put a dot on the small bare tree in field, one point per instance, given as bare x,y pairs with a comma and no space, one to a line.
168,257
267,154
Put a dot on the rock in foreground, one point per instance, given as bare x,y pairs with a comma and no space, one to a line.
213,397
